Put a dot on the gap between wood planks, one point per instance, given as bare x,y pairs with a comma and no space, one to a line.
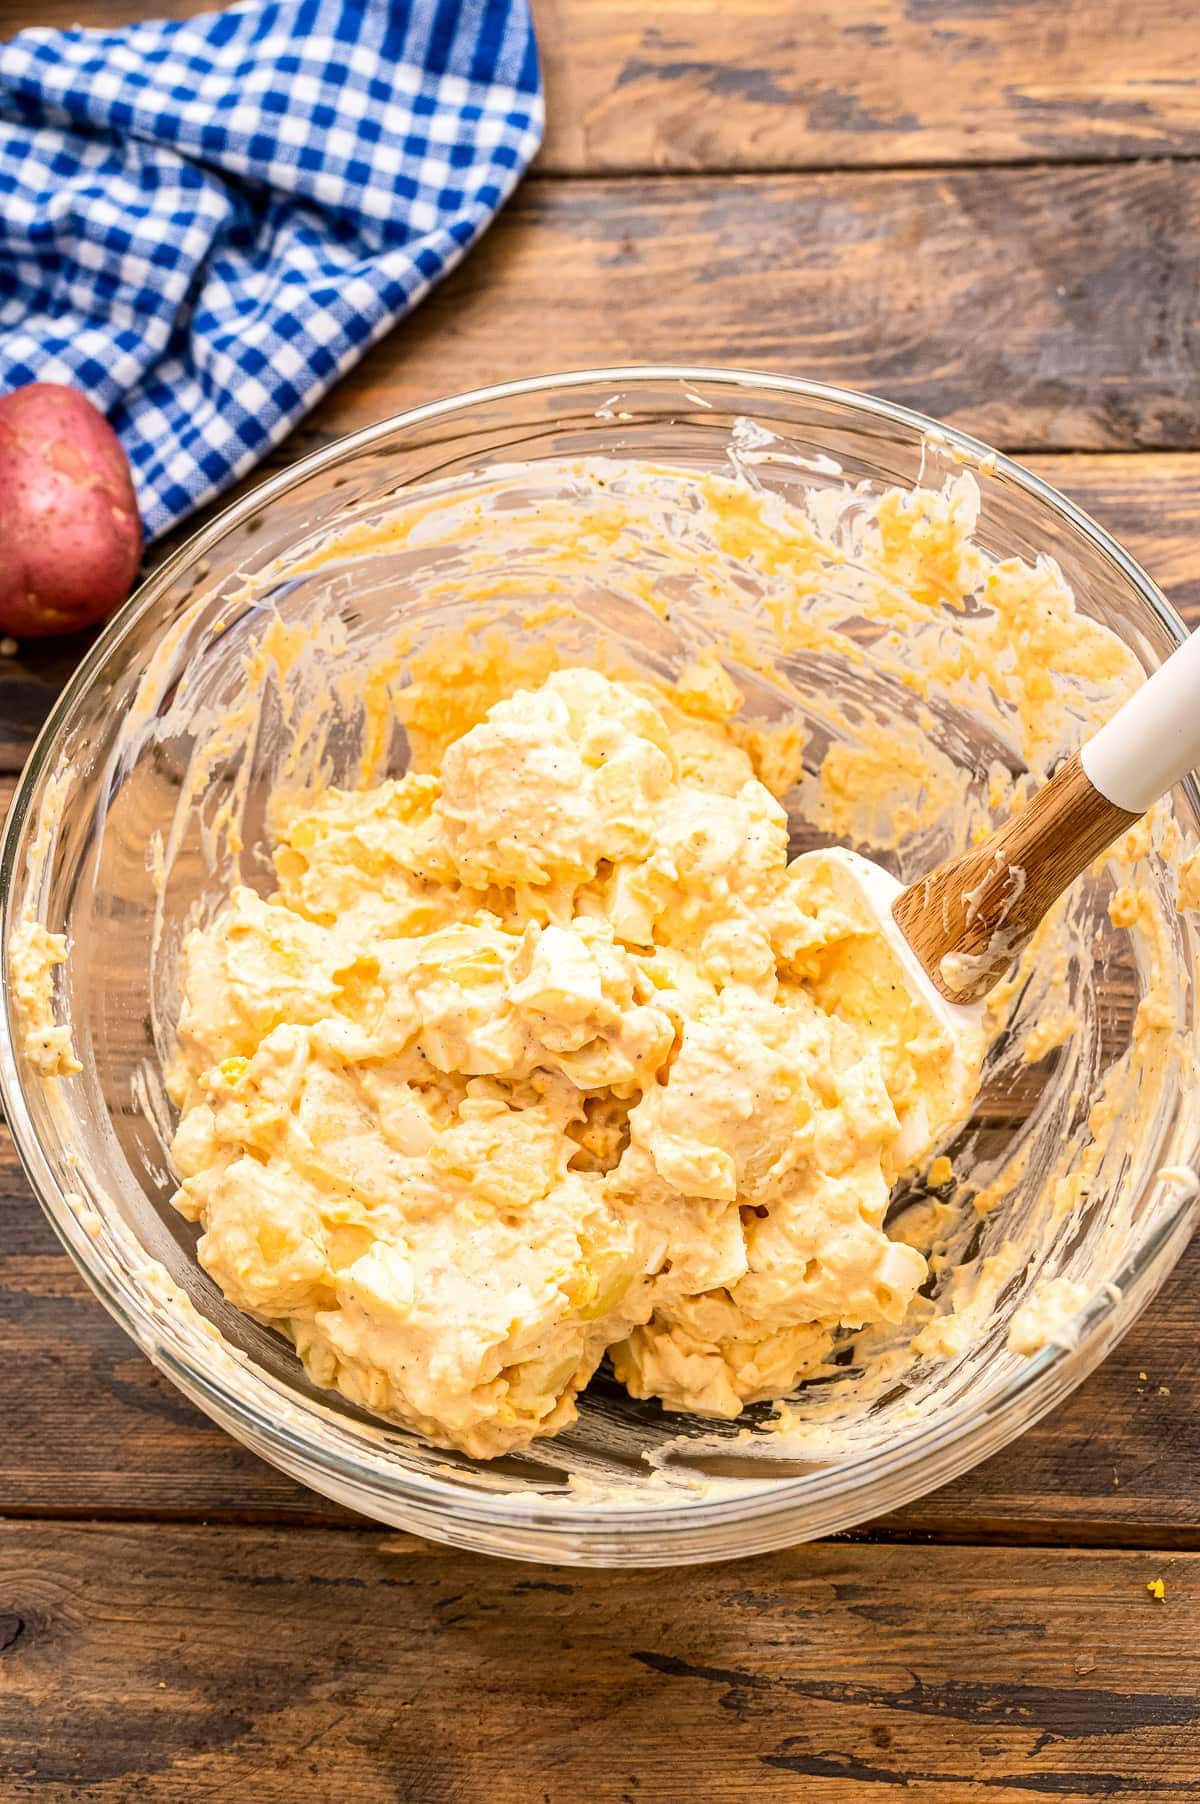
651,172
1153,1540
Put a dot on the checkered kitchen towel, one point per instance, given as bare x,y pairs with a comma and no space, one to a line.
204,223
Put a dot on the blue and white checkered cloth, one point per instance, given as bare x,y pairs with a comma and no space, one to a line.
204,223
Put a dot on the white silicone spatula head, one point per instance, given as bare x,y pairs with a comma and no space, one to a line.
878,892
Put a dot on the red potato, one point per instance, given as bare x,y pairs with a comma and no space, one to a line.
70,532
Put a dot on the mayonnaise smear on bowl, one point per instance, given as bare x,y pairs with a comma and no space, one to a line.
471,818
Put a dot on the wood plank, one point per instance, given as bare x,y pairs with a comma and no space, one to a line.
158,1663
101,15
91,1429
1043,309
773,84
1151,502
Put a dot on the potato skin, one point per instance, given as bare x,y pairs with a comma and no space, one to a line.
70,531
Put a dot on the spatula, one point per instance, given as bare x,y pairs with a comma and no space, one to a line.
960,928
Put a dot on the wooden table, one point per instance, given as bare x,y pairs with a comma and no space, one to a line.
989,210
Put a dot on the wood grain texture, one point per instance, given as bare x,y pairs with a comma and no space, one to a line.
786,84
790,84
158,1663
1043,309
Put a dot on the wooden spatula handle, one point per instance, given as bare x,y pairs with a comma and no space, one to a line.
968,919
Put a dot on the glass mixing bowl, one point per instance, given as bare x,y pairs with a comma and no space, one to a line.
110,842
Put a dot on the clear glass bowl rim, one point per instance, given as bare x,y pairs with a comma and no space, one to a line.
1017,1405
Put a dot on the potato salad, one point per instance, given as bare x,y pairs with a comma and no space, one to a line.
550,1053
